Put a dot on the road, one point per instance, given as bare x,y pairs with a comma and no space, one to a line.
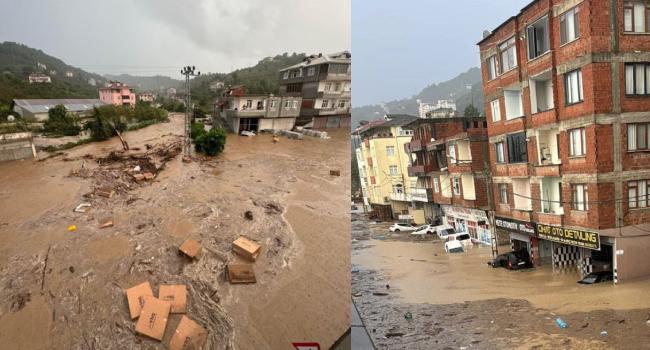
458,302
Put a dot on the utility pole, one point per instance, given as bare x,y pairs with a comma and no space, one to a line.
187,143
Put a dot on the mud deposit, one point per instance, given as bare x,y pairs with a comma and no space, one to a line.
65,290
458,303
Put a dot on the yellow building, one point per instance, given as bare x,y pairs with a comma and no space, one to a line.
383,163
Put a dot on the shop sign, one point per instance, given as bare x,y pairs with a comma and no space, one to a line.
464,213
578,238
515,226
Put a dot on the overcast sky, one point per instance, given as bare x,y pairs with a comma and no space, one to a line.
147,37
401,46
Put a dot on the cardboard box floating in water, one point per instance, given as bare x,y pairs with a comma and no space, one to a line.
135,296
153,318
240,273
191,248
188,335
246,248
176,295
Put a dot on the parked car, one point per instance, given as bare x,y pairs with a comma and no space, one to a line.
401,226
424,230
454,247
597,277
444,230
515,260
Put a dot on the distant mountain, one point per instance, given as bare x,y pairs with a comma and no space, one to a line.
455,89
262,78
18,61
156,83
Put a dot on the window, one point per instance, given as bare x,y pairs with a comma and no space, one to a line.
328,86
492,67
456,186
496,110
637,192
285,75
537,35
636,15
295,104
325,104
272,103
393,170
579,197
311,71
569,26
577,142
573,87
637,79
436,185
337,86
399,189
390,151
503,193
452,153
295,87
514,104
517,150
638,137
508,55
249,104
342,103
500,151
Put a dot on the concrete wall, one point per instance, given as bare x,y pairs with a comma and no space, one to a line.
633,262
16,146
277,123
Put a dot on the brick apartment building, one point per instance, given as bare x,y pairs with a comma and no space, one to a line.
567,91
325,83
449,158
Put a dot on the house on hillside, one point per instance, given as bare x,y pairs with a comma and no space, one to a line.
256,112
216,85
39,78
146,96
118,94
38,108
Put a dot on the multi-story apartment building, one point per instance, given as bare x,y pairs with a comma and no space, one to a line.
383,168
325,83
117,94
567,91
449,158
243,112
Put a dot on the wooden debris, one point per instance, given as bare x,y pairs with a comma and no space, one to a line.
153,318
188,335
335,172
191,248
135,297
246,248
240,273
106,223
104,192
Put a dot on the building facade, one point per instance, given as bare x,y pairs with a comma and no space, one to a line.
567,91
39,78
325,83
38,108
383,163
449,158
244,112
146,96
118,94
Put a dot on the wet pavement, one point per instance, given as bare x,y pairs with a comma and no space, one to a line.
65,290
412,295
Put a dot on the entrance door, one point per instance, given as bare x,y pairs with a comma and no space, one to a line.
545,252
248,124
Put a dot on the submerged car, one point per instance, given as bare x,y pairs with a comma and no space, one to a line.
515,260
444,230
597,277
401,226
454,247
424,230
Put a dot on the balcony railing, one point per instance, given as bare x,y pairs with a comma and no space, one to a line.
403,197
419,170
422,194
415,145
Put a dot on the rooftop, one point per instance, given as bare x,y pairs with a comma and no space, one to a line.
43,105
314,60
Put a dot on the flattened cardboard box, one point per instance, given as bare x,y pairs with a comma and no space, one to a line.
154,317
240,273
190,248
246,248
189,335
176,295
135,297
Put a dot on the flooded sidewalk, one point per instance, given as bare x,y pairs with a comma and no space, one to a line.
412,294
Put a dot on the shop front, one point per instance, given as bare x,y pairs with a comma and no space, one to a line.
523,235
468,220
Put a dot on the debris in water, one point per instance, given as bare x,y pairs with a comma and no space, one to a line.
176,295
246,248
188,335
240,273
72,228
381,294
335,172
248,215
135,297
153,318
108,193
191,248
603,333
408,316
82,208
106,223
560,323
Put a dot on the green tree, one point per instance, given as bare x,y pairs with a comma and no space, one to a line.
60,122
212,142
105,120
471,111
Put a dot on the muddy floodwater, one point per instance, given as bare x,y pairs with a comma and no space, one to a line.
456,301
63,289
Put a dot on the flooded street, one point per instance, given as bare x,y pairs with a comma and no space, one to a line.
458,302
65,290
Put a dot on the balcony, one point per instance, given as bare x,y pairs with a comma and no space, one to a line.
422,194
419,170
416,145
246,113
402,197
334,111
